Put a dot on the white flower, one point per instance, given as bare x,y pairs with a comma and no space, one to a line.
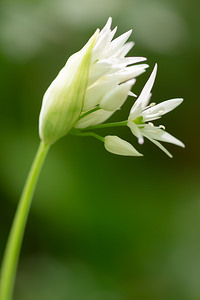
141,113
116,145
98,77
111,76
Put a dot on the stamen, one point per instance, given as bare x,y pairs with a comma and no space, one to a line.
151,124
162,127
149,106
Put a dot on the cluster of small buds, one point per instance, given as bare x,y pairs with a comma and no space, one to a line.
93,85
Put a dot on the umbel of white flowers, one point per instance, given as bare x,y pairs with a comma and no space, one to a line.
93,85
98,77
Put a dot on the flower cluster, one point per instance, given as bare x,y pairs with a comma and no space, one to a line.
93,85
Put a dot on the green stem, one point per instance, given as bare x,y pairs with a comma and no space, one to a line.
12,251
98,137
106,125
89,112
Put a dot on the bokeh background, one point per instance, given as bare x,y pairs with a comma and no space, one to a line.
102,226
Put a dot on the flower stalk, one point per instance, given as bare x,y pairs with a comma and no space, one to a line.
13,247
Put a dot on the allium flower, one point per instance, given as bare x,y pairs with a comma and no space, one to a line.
141,115
93,84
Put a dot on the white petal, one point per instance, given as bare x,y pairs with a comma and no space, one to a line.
161,109
158,134
119,63
136,131
129,60
129,72
160,146
94,118
116,145
96,92
121,40
108,24
114,66
97,70
103,40
114,99
144,97
136,70
117,43
146,92
125,49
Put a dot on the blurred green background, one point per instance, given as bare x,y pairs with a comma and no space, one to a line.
102,226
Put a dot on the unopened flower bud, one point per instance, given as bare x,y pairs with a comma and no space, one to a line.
116,145
64,99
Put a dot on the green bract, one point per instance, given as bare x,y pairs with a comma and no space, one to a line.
64,99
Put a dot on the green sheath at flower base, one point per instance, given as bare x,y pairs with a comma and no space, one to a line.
64,99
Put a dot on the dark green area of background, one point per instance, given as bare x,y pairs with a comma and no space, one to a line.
102,226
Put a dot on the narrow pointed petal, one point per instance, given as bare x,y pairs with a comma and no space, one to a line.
94,118
116,145
161,109
125,49
159,145
108,25
136,70
144,97
114,99
103,40
146,92
158,134
131,60
129,73
121,40
119,63
116,44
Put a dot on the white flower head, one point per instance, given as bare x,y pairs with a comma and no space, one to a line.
93,85
141,115
99,76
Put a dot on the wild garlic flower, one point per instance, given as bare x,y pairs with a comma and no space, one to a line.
141,115
94,83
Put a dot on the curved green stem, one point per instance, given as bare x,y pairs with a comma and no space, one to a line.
107,125
13,246
98,137
89,112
